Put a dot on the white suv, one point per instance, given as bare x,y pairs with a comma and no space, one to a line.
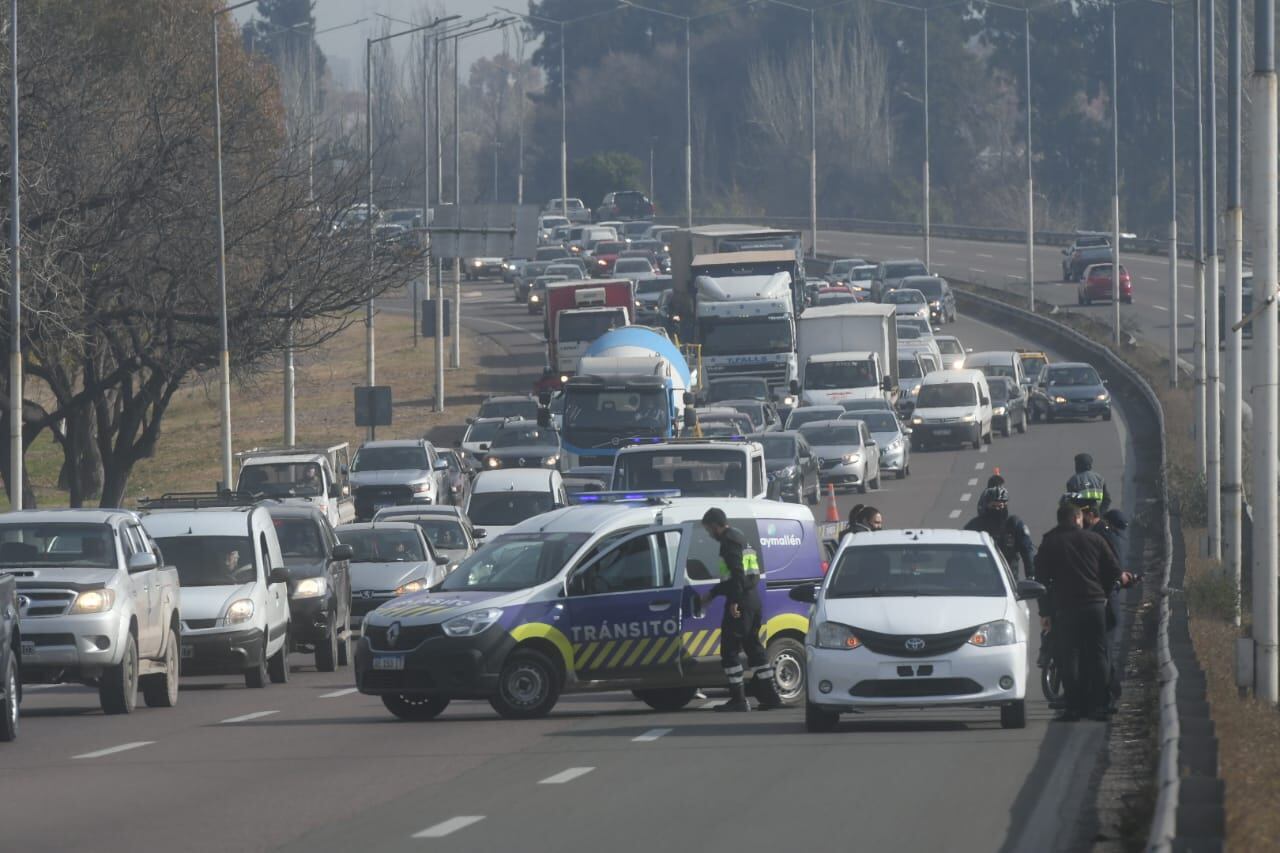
915,619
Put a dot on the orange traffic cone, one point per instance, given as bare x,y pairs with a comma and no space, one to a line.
833,512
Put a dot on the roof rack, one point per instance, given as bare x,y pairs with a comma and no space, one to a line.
297,450
203,500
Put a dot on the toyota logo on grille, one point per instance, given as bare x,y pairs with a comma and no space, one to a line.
915,644
393,634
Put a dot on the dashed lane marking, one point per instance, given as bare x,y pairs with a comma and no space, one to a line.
955,513
449,827
651,735
978,270
1159,307
244,718
973,481
964,498
566,776
112,750
981,255
979,466
1188,317
1148,278
335,694
984,448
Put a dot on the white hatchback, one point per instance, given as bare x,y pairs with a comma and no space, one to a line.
915,619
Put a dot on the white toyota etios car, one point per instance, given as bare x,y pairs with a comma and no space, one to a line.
915,619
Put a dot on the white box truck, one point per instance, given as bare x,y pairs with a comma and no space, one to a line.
847,352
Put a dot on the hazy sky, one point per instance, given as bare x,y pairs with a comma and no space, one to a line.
346,47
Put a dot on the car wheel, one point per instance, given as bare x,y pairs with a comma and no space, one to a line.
161,689
1079,298
861,487
813,496
1051,681
787,657
344,649
1004,430
977,440
818,721
1050,416
327,650
875,484
118,688
1022,424
9,707
986,439
902,473
528,686
1106,416
1014,715
666,699
278,666
417,709
256,675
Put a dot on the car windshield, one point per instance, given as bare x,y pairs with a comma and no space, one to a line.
826,375
754,413
828,436
653,285
739,337
482,431
1072,376
1033,364
919,324
998,370
930,287
282,479
523,408
636,229
444,533
525,436
89,546
807,415
910,570
608,247
946,395
571,204
647,245
875,421
210,560
597,418
864,273
549,253
632,265
514,562
387,545
842,267
999,392
549,222
904,297
506,508
907,332
950,346
737,389
904,270
588,325
696,472
299,537
390,459
909,368
777,448
835,297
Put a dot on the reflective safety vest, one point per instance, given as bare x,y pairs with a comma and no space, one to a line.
750,564
1089,486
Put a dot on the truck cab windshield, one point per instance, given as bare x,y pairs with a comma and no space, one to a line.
282,479
696,472
723,336
826,375
587,326
595,417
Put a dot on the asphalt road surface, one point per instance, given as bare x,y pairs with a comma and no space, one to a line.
315,766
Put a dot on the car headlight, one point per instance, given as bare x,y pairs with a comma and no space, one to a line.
477,264
241,610
411,586
422,488
1104,396
310,588
790,401
1059,399
896,444
997,410
493,462
94,601
786,473
851,457
998,633
833,635
917,421
601,262
551,461
533,297
935,304
968,419
470,624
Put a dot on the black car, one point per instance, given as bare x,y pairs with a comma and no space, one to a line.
1082,255
791,467
622,205
764,417
10,686
523,444
1071,390
1008,405
737,388
941,299
523,406
319,584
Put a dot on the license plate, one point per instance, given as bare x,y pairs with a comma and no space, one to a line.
942,432
28,647
388,662
188,651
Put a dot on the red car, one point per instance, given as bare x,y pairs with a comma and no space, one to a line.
603,257
838,294
1096,284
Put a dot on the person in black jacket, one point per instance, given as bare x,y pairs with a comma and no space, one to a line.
1089,483
1079,569
740,625
1010,533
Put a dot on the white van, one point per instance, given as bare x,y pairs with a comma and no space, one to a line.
953,407
504,497
999,364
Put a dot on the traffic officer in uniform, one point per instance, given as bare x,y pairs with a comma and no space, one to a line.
1088,483
740,626
1010,533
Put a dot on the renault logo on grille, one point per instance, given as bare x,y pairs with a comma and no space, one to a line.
23,602
393,635
915,644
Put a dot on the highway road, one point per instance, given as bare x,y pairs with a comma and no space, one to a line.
315,766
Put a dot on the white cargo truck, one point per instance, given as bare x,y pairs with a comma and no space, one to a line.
847,352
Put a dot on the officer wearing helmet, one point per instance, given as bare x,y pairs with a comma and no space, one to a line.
1088,483
1009,532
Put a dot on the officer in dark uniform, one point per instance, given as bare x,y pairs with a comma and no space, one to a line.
1010,533
740,627
1088,483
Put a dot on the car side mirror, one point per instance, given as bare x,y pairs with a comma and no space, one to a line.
341,552
1106,383
441,465
986,401
806,593
278,575
794,386
690,418
483,446
688,399
1030,589
470,419
886,384
442,560
871,442
142,562
478,533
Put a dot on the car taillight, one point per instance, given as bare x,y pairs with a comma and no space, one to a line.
825,565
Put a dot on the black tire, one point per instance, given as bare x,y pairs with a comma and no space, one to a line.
666,699
1022,424
160,690
1051,682
118,687
9,707
818,721
789,672
528,686
416,709
1050,416
1004,430
278,666
256,675
327,651
344,649
902,474
1106,416
1014,715
875,484
977,440
861,487
986,439
813,497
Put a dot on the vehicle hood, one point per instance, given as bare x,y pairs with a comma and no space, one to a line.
909,308
917,615
388,478
826,396
527,451
386,575
884,439
1076,393
210,602
778,464
428,608
834,451
304,567
948,413
51,576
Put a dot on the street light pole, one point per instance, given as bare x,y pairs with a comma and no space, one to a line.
1173,197
927,258
1213,391
1201,401
15,272
455,357
1031,197
1231,368
688,123
370,353
813,136
1115,184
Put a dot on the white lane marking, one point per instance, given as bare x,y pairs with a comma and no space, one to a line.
448,827
945,251
1159,307
112,750
979,466
651,735
964,498
1187,286
244,718
1188,317
976,270
973,481
955,513
566,776
1148,278
27,687
908,248
335,694
984,448
981,255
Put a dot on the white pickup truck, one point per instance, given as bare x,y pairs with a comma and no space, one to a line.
307,476
97,605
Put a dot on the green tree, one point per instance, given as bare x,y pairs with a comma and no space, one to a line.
592,177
